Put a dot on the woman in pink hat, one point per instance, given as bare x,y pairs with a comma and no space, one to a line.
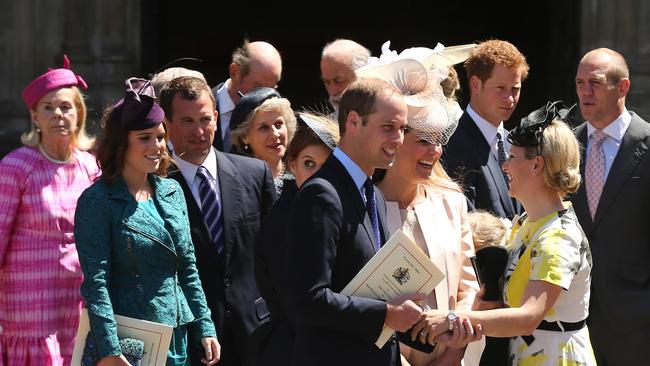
40,182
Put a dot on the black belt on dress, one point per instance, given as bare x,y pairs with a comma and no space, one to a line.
555,327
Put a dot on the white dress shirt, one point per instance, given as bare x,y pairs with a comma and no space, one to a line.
226,106
490,132
189,173
612,142
357,174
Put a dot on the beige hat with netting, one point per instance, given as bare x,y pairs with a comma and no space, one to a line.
417,73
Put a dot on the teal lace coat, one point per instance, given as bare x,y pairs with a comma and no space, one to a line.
133,266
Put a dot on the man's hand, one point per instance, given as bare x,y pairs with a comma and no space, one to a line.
403,313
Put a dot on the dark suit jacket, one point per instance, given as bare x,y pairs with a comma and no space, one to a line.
619,237
467,158
272,343
218,140
330,240
247,194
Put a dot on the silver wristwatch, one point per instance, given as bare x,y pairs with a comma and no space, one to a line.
451,319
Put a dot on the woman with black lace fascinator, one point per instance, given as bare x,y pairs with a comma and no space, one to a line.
548,275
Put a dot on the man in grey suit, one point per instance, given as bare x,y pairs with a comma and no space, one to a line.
611,206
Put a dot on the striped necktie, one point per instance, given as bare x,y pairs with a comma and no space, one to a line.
211,207
501,153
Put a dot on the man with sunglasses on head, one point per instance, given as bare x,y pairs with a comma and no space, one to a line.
611,206
254,64
478,147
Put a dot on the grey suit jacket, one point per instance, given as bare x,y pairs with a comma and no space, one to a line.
619,236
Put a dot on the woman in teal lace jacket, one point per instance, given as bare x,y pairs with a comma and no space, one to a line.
133,236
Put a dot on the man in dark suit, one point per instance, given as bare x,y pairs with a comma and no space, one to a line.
227,197
479,147
337,224
611,205
253,65
495,71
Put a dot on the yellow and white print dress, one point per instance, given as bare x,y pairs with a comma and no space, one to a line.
552,249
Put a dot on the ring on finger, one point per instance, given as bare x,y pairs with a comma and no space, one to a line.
424,332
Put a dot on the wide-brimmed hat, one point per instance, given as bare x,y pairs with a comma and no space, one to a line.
51,80
417,73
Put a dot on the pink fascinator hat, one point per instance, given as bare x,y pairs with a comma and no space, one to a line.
51,80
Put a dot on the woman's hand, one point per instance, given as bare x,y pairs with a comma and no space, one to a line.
113,361
431,324
463,334
480,304
212,350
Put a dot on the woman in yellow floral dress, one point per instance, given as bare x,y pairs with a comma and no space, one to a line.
546,292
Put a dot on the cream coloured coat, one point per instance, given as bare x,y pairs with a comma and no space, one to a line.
449,241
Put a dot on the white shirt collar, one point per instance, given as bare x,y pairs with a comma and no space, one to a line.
189,170
357,174
616,129
487,129
226,105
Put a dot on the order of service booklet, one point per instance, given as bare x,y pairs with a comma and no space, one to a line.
156,338
399,268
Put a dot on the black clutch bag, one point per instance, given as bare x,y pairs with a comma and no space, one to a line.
132,349
489,265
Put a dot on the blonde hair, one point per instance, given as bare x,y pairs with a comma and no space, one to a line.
561,152
440,179
487,229
80,138
281,105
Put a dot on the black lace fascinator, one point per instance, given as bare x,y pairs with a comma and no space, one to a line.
530,131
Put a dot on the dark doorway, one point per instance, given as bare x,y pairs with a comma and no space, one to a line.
209,30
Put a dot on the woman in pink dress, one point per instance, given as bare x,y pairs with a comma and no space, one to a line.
40,182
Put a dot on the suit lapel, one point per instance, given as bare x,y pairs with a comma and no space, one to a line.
426,216
496,176
630,153
231,196
354,197
194,212
580,203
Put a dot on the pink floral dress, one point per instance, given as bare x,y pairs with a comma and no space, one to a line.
40,274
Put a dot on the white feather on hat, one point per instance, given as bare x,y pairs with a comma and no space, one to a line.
417,73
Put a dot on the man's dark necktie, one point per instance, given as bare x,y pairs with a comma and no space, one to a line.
371,207
501,153
211,207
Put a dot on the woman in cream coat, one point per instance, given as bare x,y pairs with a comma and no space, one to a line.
430,208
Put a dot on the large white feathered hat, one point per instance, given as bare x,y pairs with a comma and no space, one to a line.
417,73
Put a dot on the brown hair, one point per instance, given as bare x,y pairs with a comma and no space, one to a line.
451,84
241,57
187,87
361,97
111,150
494,52
305,136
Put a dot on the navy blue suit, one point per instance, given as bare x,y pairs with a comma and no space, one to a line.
247,194
330,239
467,158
